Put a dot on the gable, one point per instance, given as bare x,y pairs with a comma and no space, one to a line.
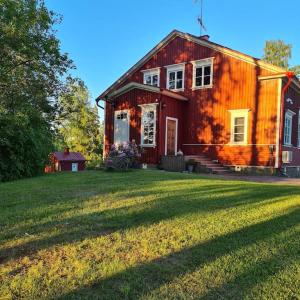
170,50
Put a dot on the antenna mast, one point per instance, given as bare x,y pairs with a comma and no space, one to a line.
200,18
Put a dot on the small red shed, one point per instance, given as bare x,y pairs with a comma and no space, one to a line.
68,161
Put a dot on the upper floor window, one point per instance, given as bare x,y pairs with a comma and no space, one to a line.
288,126
239,126
175,77
151,76
203,73
148,125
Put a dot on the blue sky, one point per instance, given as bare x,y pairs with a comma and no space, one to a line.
106,37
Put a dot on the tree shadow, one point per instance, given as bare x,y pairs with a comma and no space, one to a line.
184,200
141,280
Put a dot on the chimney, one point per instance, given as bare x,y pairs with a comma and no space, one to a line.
67,151
204,37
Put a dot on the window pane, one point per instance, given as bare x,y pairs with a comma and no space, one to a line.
239,137
172,85
155,80
207,80
199,81
147,79
179,84
172,76
207,71
239,121
198,72
239,129
179,74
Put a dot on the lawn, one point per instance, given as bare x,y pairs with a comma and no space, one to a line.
148,235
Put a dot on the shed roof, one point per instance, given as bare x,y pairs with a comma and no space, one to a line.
72,156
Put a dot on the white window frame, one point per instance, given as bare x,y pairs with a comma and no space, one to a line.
203,63
128,122
287,135
166,133
152,72
175,68
239,113
146,108
298,141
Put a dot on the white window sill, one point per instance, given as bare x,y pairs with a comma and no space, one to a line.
176,90
288,145
194,88
148,146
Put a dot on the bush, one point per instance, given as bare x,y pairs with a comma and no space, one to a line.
95,164
123,157
25,144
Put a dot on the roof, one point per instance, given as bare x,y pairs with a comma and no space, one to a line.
197,40
72,156
145,87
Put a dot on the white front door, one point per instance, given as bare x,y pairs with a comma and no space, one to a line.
74,167
121,128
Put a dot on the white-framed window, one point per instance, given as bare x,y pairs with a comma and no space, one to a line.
175,77
203,73
152,76
239,126
288,127
298,141
121,126
148,125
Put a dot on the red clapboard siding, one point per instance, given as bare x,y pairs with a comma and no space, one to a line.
204,121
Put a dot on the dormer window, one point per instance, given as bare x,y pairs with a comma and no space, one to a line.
151,76
175,77
203,73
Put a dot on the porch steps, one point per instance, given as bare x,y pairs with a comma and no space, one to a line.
207,164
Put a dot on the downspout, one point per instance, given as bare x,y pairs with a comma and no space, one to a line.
97,103
290,76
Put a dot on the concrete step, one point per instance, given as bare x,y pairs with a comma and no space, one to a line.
211,166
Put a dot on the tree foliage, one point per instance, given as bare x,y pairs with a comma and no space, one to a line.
279,53
79,127
31,71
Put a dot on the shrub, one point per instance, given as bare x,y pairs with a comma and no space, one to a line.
123,157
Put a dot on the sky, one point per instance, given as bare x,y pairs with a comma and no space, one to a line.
105,38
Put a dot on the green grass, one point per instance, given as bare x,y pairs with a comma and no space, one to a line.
148,235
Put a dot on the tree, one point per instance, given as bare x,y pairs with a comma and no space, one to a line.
79,127
32,69
279,54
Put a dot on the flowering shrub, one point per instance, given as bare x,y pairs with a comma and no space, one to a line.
123,156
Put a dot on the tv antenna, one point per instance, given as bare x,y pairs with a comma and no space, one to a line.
200,18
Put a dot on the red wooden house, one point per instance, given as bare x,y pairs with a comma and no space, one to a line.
205,99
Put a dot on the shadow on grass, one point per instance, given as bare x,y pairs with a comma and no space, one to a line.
185,199
141,280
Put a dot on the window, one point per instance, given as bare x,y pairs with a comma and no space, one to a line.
288,124
202,73
175,77
151,77
148,125
239,126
